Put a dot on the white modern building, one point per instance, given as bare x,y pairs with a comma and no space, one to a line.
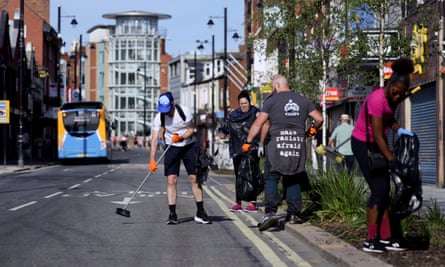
134,60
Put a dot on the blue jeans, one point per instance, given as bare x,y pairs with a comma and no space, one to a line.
349,163
291,191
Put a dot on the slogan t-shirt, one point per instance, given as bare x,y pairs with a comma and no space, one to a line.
286,149
377,106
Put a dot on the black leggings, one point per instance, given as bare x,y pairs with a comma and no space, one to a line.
379,183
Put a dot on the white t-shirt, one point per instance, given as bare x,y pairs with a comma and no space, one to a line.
175,125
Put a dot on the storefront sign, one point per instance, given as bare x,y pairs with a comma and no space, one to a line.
359,93
4,111
334,94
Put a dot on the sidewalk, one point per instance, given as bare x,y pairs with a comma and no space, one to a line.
336,250
14,168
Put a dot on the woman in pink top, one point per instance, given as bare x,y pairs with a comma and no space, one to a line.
370,131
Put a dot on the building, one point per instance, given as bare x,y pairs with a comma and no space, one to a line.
97,66
126,68
34,102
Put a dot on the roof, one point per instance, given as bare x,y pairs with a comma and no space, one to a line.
136,13
99,26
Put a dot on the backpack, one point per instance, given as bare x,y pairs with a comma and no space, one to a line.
407,179
180,112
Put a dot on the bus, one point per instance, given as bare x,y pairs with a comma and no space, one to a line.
83,131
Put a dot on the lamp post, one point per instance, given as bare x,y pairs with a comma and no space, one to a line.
78,54
21,79
213,95
235,36
210,23
145,103
80,68
195,79
74,57
60,44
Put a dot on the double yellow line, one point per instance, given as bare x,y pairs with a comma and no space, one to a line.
259,243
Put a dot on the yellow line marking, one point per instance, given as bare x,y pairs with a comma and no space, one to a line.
265,250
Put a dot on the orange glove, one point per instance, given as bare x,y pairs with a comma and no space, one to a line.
153,166
245,148
311,132
177,138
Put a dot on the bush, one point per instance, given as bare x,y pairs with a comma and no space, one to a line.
339,197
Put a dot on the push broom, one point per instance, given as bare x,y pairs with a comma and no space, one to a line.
124,211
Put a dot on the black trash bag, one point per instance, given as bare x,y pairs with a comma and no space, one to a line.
203,163
407,178
249,181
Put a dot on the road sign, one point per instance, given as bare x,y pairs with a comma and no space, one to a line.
4,111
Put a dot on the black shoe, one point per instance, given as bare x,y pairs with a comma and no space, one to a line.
373,245
202,218
172,219
269,220
393,244
294,219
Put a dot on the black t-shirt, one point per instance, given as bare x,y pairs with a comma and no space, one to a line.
287,112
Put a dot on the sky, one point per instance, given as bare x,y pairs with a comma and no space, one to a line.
188,22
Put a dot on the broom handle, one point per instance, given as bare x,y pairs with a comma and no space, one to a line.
147,176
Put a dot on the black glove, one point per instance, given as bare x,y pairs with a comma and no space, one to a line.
394,166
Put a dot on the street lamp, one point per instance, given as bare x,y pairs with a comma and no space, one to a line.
145,103
200,47
60,44
78,53
21,80
80,68
235,36
210,24
213,95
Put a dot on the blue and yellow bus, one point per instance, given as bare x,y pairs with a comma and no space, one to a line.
83,131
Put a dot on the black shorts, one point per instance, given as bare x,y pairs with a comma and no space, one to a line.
172,160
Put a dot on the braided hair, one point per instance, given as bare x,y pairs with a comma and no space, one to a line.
402,68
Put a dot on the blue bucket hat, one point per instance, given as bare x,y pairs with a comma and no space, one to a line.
165,102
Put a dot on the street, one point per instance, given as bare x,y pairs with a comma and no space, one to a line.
64,215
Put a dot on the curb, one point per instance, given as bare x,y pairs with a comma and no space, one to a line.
333,248
329,246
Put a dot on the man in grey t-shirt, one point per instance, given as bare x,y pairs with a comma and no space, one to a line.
287,113
341,141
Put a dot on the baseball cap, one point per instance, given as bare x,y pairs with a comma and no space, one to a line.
165,102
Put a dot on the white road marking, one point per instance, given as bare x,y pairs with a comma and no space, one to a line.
265,250
125,201
99,175
74,186
87,180
53,195
23,206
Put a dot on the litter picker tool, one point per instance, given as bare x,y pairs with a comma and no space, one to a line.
323,150
124,211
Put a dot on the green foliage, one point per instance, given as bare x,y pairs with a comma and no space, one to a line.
435,221
340,196
302,31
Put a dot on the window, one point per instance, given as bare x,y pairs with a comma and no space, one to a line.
131,78
131,103
123,78
123,103
131,50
